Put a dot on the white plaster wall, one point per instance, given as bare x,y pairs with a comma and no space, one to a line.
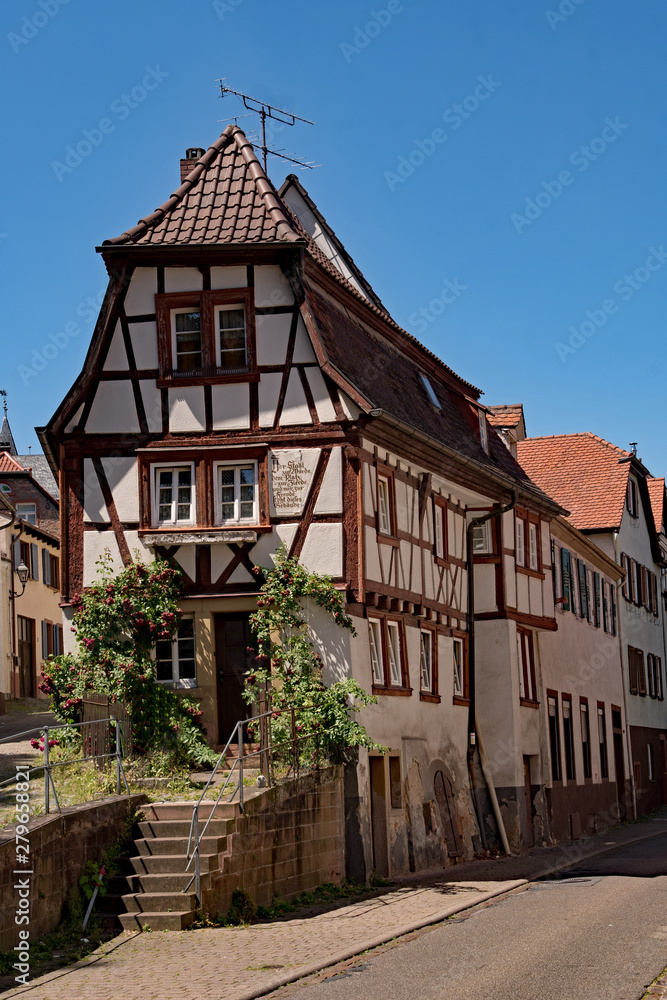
116,359
295,408
497,675
371,555
221,556
69,638
402,504
186,558
113,410
350,409
263,552
74,421
241,575
485,587
510,581
323,405
272,337
94,507
231,406
183,279
271,286
303,349
152,404
123,478
94,544
228,277
137,548
269,392
186,409
323,549
140,298
144,344
330,500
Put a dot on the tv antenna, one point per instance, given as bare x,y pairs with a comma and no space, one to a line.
265,111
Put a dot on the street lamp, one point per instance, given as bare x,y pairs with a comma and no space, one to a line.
23,573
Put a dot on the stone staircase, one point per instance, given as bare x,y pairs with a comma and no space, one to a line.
150,892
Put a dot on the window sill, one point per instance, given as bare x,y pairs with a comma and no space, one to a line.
435,699
463,702
202,536
528,703
392,691
173,380
178,687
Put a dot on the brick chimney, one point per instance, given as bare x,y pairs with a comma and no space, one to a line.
191,157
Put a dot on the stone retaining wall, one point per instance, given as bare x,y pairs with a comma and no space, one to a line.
60,846
288,840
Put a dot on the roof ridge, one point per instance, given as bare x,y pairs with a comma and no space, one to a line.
576,434
19,468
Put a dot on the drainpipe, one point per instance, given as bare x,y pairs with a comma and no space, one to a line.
472,709
628,745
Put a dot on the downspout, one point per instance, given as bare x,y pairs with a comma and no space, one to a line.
628,745
473,726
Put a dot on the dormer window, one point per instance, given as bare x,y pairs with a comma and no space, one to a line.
206,337
632,504
430,391
483,431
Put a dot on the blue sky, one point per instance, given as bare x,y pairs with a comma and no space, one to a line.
515,151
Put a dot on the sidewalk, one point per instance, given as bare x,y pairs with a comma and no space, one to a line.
247,962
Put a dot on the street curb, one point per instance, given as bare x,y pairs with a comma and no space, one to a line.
508,885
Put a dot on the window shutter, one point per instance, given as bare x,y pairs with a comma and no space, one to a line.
612,594
583,590
56,650
626,581
596,587
17,553
632,669
641,672
45,640
566,579
34,561
553,570
605,607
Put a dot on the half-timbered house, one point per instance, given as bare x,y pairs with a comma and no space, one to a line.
245,387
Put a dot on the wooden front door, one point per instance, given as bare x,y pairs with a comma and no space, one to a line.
25,628
379,816
232,637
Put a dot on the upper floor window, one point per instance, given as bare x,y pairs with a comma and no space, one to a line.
632,505
174,495
208,335
481,538
520,542
460,669
533,546
27,512
386,502
427,653
237,493
440,529
387,648
527,680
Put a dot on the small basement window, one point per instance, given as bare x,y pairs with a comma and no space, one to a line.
430,391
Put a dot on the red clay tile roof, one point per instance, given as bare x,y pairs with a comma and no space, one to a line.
226,198
9,464
582,473
505,416
656,492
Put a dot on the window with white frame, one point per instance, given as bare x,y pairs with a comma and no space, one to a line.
384,505
520,541
377,660
236,496
440,523
394,651
526,657
174,495
186,341
231,342
426,660
27,512
459,670
175,661
533,553
481,538
430,391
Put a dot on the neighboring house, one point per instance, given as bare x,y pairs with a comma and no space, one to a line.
244,387
34,627
613,499
509,424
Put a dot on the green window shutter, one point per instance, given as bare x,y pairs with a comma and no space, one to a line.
596,607
612,594
583,590
566,579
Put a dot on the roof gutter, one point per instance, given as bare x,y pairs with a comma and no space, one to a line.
511,485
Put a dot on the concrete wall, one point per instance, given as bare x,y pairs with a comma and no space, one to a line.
288,840
60,847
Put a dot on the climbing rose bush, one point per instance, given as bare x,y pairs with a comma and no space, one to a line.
117,622
287,666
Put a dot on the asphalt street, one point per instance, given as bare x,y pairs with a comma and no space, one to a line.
595,932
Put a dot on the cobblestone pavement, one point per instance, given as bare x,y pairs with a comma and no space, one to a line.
658,989
240,963
33,714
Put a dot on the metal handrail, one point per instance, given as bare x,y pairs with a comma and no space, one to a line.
48,767
195,838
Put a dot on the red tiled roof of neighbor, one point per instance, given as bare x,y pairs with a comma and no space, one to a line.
505,416
656,492
582,473
9,464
